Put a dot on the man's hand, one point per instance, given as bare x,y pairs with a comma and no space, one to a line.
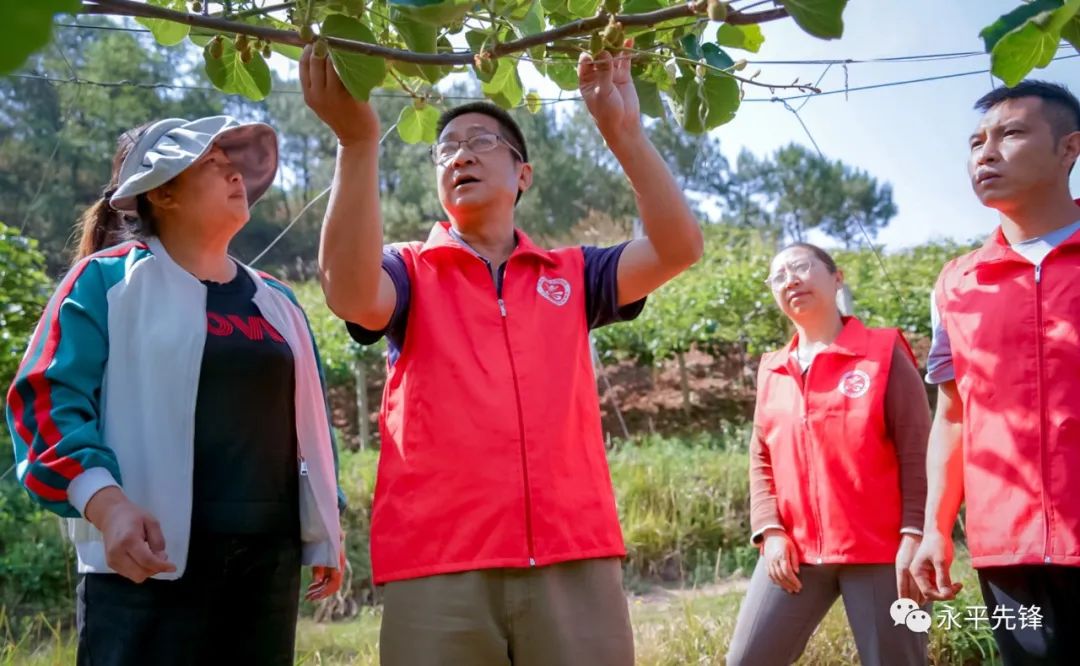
351,120
906,587
782,560
931,565
610,96
134,544
673,240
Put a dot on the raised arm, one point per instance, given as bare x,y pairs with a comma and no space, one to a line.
673,240
351,245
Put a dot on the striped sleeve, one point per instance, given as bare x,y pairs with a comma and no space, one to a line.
53,405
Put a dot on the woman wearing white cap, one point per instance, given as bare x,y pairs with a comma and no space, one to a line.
171,406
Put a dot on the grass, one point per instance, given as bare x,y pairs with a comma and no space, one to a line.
684,508
698,631
691,629
35,641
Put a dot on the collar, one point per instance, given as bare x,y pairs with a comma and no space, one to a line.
852,341
443,236
997,249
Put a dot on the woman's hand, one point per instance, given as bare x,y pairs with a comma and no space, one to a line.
782,559
325,581
906,586
134,543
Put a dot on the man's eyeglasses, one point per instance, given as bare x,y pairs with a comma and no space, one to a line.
799,269
443,152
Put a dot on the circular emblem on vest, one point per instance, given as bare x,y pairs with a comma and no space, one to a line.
556,290
854,384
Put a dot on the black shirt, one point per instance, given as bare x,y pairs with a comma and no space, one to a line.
246,476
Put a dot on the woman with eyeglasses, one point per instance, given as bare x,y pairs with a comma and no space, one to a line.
837,478
170,405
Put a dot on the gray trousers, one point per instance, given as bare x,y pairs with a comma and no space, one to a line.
775,626
568,614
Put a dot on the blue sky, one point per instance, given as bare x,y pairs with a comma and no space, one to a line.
913,136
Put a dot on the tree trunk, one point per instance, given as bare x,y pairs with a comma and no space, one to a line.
285,204
306,173
684,380
746,375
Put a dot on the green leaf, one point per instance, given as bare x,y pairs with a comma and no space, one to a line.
417,3
487,72
820,18
27,27
1059,19
685,102
201,39
533,23
702,105
691,47
1020,51
532,102
288,50
360,73
1071,32
723,97
716,57
167,33
477,39
1006,23
655,73
649,98
436,12
230,74
514,10
564,76
421,38
644,37
582,8
641,6
418,125
554,6
505,86
745,37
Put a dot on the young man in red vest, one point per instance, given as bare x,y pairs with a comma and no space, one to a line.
494,527
1006,359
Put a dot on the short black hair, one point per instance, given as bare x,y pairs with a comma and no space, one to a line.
822,256
514,136
1061,106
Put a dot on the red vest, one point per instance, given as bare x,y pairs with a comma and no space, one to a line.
492,450
1014,330
835,470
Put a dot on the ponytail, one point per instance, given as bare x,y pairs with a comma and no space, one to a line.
98,228
101,225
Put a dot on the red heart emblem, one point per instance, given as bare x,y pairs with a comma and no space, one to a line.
556,290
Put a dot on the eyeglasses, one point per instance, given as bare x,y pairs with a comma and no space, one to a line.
799,269
443,152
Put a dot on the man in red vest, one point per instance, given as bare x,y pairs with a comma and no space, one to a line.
1006,358
493,527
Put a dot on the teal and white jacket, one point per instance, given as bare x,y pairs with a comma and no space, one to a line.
106,395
